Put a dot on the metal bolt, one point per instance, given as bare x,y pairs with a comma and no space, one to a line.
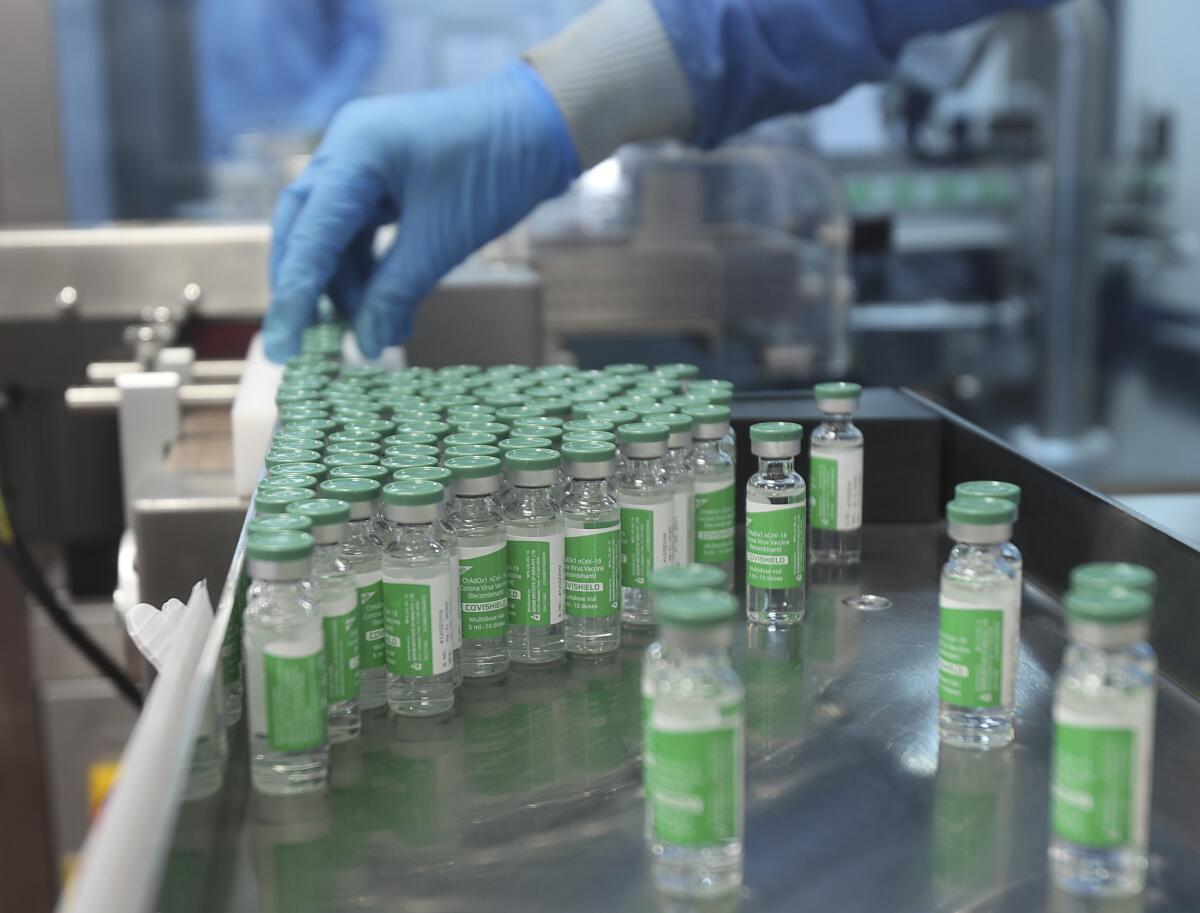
66,300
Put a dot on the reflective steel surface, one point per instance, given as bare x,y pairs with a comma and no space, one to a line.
527,797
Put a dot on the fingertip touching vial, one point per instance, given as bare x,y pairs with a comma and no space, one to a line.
647,503
678,463
337,603
533,524
418,623
1006,491
776,500
483,559
694,755
592,521
979,626
362,549
1103,757
285,667
713,517
835,475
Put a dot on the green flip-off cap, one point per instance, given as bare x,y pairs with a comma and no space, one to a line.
980,511
427,426
413,450
835,390
617,416
284,440
377,473
588,452
642,432
413,493
279,545
504,399
552,433
274,523
382,425
289,481
404,418
1006,491
407,462
354,447
354,434
687,578
512,413
531,459
554,420
500,429
276,500
428,473
1107,606
626,368
696,609
555,407
410,437
525,442
777,432
676,422
324,425
604,436
334,460
279,457
469,437
466,450
352,491
322,511
589,424
1107,575
474,467
297,469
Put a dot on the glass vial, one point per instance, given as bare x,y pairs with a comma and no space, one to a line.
417,613
678,463
694,759
1006,491
979,626
362,549
483,559
835,475
713,519
592,573
775,513
647,503
337,601
285,667
534,526
1103,744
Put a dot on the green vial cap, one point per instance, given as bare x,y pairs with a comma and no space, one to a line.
324,425
676,422
531,459
1005,491
503,399
379,474
589,424
382,425
525,443
279,457
440,429
512,413
468,450
469,437
696,609
713,384
322,511
711,414
353,447
837,390
283,545
718,396
438,474
555,407
276,500
777,432
352,491
617,416
554,420
275,523
473,467
413,493
291,480
408,462
605,436
333,460
355,434
980,511
1110,606
412,450
687,578
643,432
500,429
551,432
628,368
588,451
1107,575
409,417
410,437
296,469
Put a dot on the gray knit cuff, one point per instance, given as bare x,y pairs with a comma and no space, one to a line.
616,79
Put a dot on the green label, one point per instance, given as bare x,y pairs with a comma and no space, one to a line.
774,545
1092,796
418,634
694,777
295,698
637,546
340,624
370,620
713,526
823,489
535,581
593,563
971,657
483,591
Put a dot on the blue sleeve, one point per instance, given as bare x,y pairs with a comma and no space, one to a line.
746,60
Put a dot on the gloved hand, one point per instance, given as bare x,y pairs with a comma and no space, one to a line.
454,168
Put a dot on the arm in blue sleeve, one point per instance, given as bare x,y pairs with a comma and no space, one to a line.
746,60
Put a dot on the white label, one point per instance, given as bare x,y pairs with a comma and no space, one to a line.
1008,600
684,505
442,622
558,609
256,684
849,484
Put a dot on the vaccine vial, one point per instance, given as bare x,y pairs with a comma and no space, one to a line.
835,475
1006,491
592,572
533,524
362,550
417,612
694,755
678,463
285,667
1103,744
979,626
483,561
713,518
337,602
647,503
775,518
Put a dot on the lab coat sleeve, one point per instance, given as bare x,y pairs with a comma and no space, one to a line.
703,70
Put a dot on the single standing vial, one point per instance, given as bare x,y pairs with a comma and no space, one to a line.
592,580
362,550
285,667
713,520
483,560
835,475
694,733
979,628
1103,744
418,623
678,463
534,526
775,508
337,601
1006,491
647,503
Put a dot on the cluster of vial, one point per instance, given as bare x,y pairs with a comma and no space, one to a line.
1104,697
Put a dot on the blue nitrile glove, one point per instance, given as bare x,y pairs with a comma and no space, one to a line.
454,168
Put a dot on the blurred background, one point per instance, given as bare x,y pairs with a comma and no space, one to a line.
1011,225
